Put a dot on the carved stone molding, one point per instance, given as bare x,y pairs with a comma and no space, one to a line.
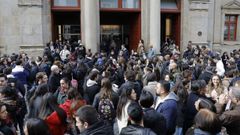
30,3
234,5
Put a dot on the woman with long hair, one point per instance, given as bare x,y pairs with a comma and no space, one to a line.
36,101
108,97
5,128
215,88
128,95
36,126
54,116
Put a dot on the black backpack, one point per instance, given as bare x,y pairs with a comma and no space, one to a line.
106,109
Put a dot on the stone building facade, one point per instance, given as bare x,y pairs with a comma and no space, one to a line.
27,25
206,22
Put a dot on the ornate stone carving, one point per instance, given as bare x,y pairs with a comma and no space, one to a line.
232,5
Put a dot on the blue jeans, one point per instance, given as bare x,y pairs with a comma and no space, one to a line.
178,131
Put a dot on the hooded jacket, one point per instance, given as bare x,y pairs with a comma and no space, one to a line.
92,88
168,108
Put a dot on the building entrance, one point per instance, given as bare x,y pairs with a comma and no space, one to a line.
66,26
170,27
114,36
117,30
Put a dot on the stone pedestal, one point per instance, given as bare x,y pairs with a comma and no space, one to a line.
90,24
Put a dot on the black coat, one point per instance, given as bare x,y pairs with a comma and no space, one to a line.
6,130
190,111
90,93
99,128
155,121
136,130
54,82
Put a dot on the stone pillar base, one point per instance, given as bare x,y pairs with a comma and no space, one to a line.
32,51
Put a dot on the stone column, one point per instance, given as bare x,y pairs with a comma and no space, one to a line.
46,21
155,24
145,21
184,24
238,29
211,21
217,34
90,24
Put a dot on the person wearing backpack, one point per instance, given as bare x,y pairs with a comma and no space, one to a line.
106,101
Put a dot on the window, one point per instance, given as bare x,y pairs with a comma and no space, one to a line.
71,3
109,3
230,28
169,4
130,3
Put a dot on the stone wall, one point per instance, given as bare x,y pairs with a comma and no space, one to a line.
224,7
207,17
24,24
9,26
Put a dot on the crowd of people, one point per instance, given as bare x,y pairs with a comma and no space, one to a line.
70,90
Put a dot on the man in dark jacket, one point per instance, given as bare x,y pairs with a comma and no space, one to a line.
92,87
88,123
231,119
166,104
54,79
198,90
129,77
152,119
135,113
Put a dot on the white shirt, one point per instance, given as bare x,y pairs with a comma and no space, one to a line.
220,68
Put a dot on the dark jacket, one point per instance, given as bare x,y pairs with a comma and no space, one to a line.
92,88
54,82
231,120
207,74
155,121
6,130
168,108
190,111
136,130
99,128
